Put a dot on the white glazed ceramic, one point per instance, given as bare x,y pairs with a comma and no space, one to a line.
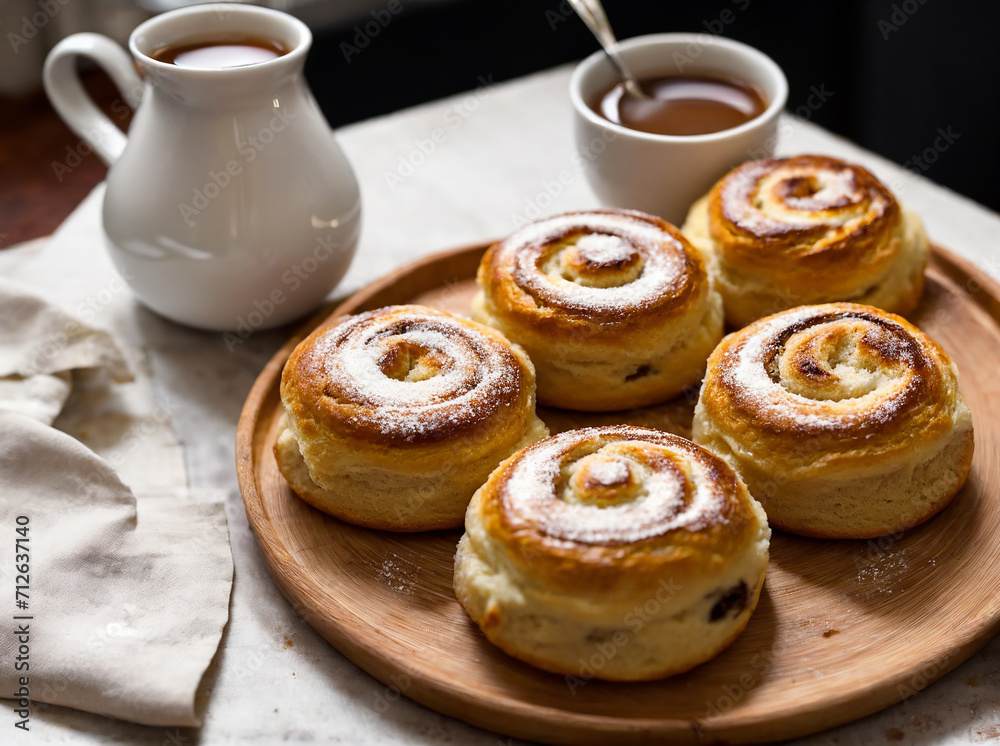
229,206
663,174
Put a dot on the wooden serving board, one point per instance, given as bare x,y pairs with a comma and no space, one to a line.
843,628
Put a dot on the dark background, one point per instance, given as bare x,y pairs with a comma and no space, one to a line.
899,71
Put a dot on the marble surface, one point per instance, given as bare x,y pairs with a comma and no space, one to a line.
456,171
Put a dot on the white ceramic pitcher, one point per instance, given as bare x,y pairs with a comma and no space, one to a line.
229,206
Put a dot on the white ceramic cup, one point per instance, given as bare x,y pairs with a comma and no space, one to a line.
665,174
229,204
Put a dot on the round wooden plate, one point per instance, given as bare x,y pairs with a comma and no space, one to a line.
843,628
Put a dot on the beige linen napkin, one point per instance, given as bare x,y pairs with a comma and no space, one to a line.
127,589
122,605
40,345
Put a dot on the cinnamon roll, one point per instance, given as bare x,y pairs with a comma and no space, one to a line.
809,229
618,553
394,417
843,420
614,307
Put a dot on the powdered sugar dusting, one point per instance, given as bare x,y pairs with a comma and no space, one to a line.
398,574
478,374
608,238
531,493
599,248
609,471
744,372
759,198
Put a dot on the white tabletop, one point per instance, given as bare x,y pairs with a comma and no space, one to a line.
437,176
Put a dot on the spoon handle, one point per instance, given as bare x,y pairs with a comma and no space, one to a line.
592,13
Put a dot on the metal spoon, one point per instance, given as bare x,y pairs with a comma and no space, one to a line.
592,13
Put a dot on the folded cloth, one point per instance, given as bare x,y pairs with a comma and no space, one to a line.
39,347
125,607
126,591
41,397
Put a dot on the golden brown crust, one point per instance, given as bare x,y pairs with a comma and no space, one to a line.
823,406
781,374
615,307
808,229
819,213
601,507
574,534
399,414
647,269
405,376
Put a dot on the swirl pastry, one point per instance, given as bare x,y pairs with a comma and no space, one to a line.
394,417
619,553
614,307
843,420
809,229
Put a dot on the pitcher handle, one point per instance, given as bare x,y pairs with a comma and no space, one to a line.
70,100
